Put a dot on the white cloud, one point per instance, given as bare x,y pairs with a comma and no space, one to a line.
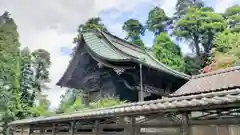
51,24
222,5
169,6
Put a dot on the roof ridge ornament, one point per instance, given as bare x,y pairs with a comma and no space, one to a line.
118,71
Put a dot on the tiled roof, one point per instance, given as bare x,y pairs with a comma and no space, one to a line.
212,81
164,105
141,55
110,47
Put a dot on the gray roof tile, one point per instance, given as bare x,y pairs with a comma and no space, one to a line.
212,81
163,105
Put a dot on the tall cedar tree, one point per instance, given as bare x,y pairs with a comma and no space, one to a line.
157,21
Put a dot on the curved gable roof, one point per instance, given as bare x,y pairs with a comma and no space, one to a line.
113,48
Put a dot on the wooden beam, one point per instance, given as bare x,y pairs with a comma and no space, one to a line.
225,121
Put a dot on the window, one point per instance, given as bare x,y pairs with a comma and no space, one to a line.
113,129
84,130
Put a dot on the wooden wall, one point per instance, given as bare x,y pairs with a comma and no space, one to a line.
127,129
216,130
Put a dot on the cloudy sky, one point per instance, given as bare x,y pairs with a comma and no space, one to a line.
52,24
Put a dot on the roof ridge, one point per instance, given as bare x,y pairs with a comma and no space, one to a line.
220,71
108,40
134,45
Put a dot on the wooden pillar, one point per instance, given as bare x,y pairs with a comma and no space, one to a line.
29,131
186,129
97,127
140,93
54,129
41,131
22,131
133,122
72,128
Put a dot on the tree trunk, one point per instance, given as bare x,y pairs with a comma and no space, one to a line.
196,45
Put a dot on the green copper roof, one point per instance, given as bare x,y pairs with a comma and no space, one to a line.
102,48
113,48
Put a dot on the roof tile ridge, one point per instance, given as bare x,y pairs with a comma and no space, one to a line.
134,45
122,109
108,40
96,32
167,67
217,72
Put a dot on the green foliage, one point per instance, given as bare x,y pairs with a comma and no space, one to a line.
72,101
92,24
41,63
226,41
193,65
41,107
226,51
17,74
168,53
106,102
233,17
134,30
199,25
9,65
157,20
27,80
183,5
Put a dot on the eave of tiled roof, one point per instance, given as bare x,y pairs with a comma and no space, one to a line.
212,81
221,71
185,103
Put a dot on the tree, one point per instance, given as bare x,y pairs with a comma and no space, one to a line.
198,26
233,17
69,99
193,64
183,5
41,63
168,52
26,80
10,70
72,101
106,102
157,20
91,24
41,108
134,30
94,23
226,50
